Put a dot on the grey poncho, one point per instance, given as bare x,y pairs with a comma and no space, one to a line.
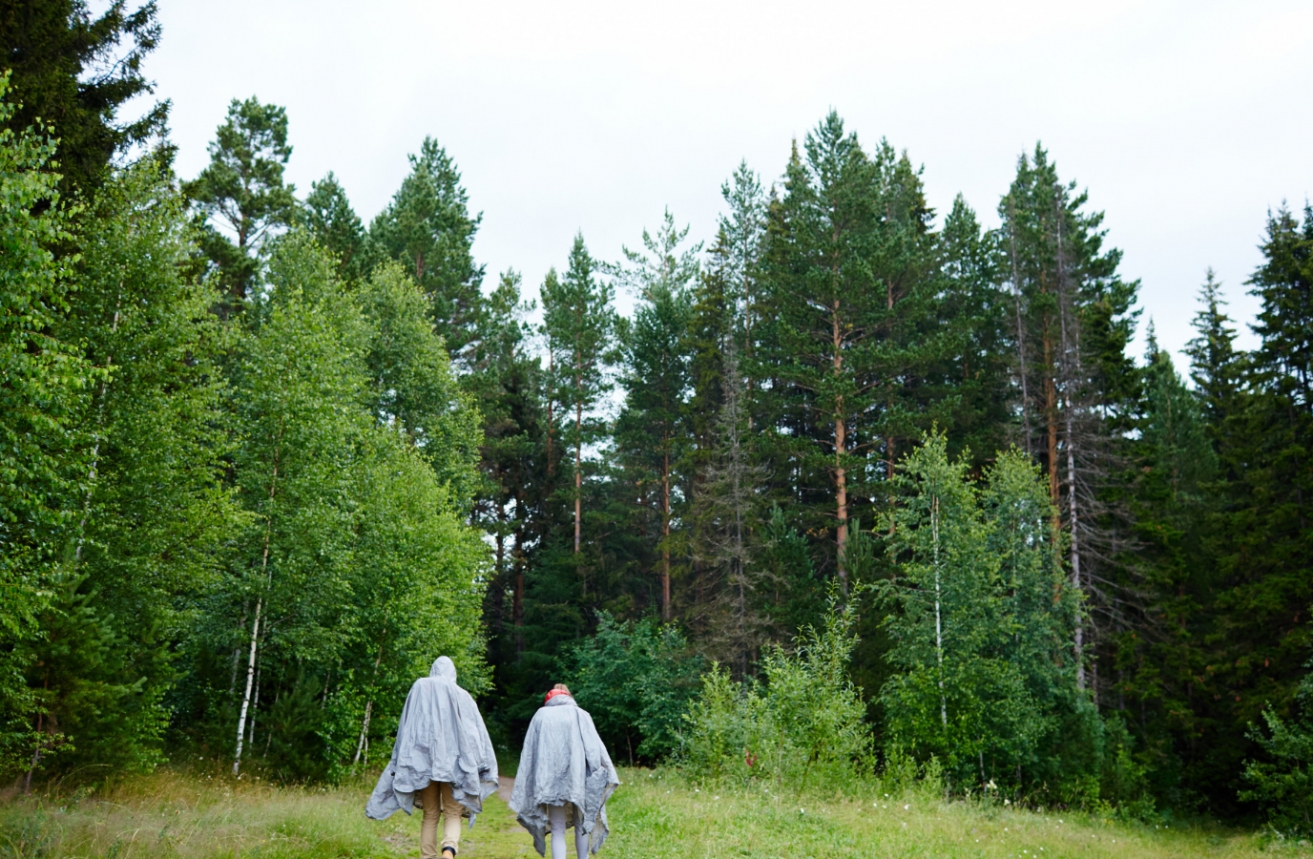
441,738
563,763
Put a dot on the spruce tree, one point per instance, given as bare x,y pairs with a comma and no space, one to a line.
75,71
330,219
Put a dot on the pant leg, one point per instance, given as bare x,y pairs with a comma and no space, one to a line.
451,814
580,840
430,802
556,821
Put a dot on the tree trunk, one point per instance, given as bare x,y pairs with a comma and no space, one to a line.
259,605
1021,330
1051,415
551,369
840,445
578,475
517,602
250,682
939,622
665,532
1070,356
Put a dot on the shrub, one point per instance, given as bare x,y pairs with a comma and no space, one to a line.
1284,782
801,725
635,680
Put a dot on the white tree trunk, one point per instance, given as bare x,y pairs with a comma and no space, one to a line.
250,684
939,621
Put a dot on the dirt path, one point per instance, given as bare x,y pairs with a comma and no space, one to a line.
505,784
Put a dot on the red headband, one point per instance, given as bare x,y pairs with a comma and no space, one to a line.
552,694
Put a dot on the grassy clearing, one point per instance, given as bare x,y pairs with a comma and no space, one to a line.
173,816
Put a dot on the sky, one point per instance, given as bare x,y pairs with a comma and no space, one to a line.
1186,121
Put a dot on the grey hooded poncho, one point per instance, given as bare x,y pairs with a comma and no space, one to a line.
442,738
563,763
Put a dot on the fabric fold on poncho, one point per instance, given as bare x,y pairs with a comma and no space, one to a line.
563,763
442,738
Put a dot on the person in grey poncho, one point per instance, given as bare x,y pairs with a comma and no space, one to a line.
564,779
443,754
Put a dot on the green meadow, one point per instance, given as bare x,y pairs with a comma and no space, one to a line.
169,815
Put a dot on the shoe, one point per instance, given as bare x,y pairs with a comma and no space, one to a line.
451,850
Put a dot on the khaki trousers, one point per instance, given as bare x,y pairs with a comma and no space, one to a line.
436,799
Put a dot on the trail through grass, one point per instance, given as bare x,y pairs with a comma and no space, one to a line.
173,816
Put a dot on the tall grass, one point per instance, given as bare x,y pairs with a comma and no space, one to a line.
171,815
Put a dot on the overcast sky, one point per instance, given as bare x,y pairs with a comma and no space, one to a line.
1186,121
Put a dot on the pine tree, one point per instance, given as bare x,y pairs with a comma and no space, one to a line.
846,265
579,325
242,193
427,228
651,428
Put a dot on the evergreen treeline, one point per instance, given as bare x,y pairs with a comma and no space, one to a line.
262,461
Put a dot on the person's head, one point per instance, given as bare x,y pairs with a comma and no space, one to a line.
558,689
443,669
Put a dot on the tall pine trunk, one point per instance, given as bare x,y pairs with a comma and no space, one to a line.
665,531
840,445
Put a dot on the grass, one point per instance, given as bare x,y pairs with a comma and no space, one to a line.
169,815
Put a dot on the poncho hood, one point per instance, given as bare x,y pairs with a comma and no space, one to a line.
563,763
441,737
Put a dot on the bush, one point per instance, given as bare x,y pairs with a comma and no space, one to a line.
1284,782
801,725
635,680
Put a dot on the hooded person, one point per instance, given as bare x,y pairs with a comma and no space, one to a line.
564,779
442,754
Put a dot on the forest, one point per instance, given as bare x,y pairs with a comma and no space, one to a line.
857,485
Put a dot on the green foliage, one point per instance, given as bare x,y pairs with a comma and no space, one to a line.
43,383
801,725
242,192
1282,781
427,228
980,623
74,71
154,513
412,386
635,678
328,215
355,570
